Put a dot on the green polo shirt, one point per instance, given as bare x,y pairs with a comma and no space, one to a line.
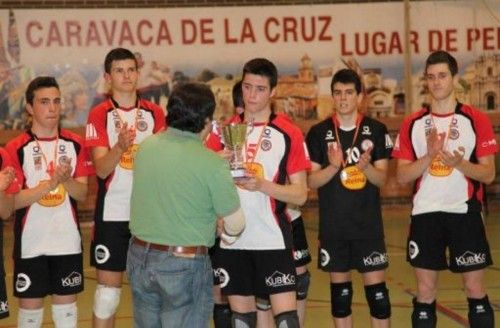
179,190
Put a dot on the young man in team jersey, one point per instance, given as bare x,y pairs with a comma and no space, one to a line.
350,154
52,167
276,163
449,150
115,128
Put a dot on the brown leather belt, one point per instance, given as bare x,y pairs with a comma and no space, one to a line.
174,249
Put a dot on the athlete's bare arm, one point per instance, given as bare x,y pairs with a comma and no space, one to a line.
484,171
295,192
376,173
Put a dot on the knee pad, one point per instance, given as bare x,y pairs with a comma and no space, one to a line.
262,304
106,300
424,315
303,281
377,297
29,318
244,320
222,316
480,313
289,319
341,299
65,315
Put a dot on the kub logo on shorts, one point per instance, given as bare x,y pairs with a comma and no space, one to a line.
222,276
72,280
324,257
279,279
23,282
101,254
413,249
469,258
375,259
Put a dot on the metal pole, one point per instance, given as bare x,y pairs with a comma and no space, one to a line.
407,60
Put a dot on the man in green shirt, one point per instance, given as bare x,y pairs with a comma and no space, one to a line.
180,188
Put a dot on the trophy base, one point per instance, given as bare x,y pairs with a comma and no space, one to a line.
238,173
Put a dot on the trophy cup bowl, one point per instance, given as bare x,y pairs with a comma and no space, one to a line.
234,139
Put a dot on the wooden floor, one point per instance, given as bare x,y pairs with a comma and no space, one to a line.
452,307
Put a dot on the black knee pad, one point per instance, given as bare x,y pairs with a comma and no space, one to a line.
377,297
424,315
481,313
288,319
244,320
341,299
302,284
222,316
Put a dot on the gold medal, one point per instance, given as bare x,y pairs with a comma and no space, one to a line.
353,178
438,168
54,197
254,169
128,157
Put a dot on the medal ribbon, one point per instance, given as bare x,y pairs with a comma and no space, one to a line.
259,141
49,165
358,124
122,121
449,128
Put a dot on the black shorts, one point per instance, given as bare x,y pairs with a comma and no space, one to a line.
301,253
463,234
109,246
364,255
214,253
46,275
256,272
4,304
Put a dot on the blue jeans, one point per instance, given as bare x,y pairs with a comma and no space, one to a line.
169,291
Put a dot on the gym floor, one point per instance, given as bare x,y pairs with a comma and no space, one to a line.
452,306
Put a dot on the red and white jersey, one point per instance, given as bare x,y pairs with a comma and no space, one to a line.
293,212
279,148
50,225
103,126
442,188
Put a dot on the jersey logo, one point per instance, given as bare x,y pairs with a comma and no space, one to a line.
72,280
329,135
324,257
388,141
90,132
366,131
366,144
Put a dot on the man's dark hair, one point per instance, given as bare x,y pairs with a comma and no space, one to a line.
189,106
238,95
262,67
346,76
442,57
117,54
40,82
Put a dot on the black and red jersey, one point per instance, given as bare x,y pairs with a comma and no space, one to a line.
349,214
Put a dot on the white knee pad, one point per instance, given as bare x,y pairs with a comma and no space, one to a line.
106,300
30,318
65,315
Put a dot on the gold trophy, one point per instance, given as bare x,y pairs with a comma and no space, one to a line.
234,136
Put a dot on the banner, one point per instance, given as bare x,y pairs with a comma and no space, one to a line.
307,43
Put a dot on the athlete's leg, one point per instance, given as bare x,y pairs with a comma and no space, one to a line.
264,314
341,298
244,311
480,311
303,281
30,313
106,298
222,311
377,297
64,311
424,305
